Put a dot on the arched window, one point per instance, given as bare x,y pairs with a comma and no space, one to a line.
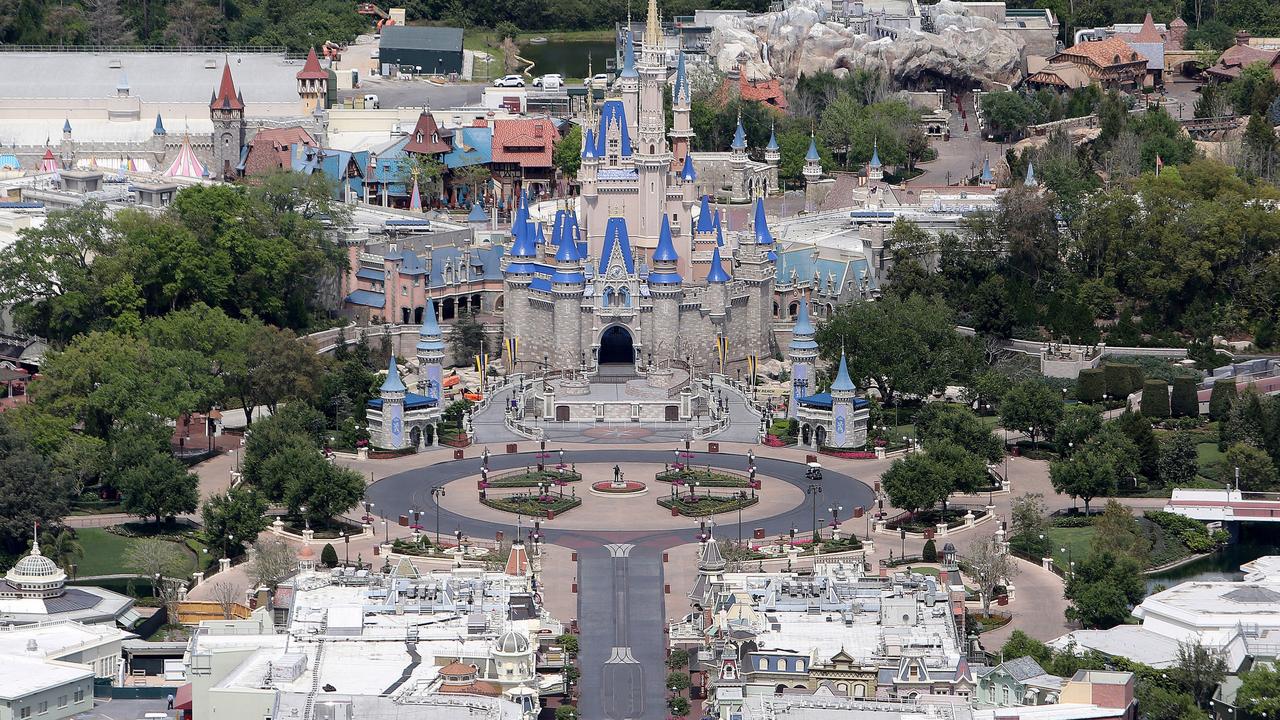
799,665
608,297
792,310
624,298
763,663
859,690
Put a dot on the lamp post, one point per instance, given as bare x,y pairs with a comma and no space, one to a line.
902,533
437,492
386,531
835,519
813,491
346,544
305,519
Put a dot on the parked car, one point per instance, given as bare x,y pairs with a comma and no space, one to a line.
509,81
600,81
371,102
550,81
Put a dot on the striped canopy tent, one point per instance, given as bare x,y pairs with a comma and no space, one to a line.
48,164
186,164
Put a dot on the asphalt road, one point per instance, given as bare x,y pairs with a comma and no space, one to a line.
620,578
416,93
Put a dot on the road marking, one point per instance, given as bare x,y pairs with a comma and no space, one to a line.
621,656
619,550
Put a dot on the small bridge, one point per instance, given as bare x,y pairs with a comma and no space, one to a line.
1225,505
1208,127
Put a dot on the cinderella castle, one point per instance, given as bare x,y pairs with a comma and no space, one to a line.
644,272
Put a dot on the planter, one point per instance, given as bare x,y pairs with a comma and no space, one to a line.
704,505
625,489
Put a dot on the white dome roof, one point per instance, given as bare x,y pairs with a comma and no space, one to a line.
36,573
36,566
512,643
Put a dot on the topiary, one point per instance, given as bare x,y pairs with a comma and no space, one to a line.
1184,402
930,552
1091,385
1222,398
329,556
1116,377
1155,399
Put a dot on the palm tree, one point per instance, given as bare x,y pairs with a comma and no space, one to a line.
63,548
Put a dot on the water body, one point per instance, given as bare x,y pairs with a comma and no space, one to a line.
1224,565
569,58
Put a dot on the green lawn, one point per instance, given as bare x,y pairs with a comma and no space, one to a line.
1209,459
1077,541
104,552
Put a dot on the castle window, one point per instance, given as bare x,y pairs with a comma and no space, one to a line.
763,663
418,138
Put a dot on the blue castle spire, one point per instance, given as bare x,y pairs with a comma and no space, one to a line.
986,170
842,382
773,140
629,57
717,275
159,129
687,174
875,153
430,337
66,126
680,91
666,250
812,155
706,219
589,147
392,384
803,331
477,214
761,225
739,137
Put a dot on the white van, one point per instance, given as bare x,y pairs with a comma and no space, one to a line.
371,102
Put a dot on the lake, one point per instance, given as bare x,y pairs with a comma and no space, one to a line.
569,58
1255,542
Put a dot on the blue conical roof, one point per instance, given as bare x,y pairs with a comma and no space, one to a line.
1031,176
706,219
524,245
568,250
393,383
875,153
717,274
666,250
719,232
66,125
812,155
477,214
687,174
589,147
629,57
842,382
802,332
159,130
680,91
739,137
557,227
761,225
429,337
773,141
986,170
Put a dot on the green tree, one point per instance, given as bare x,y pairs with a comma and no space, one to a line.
569,642
1162,703
947,423
1079,423
1256,471
1138,429
915,482
930,552
1255,88
678,680
678,659
1199,670
62,547
1259,146
566,712
1086,474
1006,113
1021,644
324,495
1103,588
31,491
900,346
1028,526
151,481
567,154
1033,405
1178,459
329,556
233,518
1117,530
1259,691
678,705
467,338
1155,399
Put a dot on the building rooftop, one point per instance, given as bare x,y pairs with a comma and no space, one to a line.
25,675
422,38
56,637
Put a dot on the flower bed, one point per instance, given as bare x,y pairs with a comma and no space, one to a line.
703,505
775,441
924,520
848,454
532,505
533,478
607,486
705,478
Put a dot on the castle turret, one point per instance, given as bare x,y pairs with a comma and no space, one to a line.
629,80
681,105
812,173
802,352
875,171
226,109
66,149
568,284
430,351
987,177
665,284
687,179
159,128
477,218
588,167
313,84
771,152
391,433
845,430
1030,180
517,277
738,161
652,158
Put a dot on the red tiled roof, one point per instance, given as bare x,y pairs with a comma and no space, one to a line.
525,141
312,70
769,91
420,139
1148,33
269,149
1103,53
227,98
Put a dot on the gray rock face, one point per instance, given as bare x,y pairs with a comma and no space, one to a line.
802,40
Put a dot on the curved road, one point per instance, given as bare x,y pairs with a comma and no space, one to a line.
620,599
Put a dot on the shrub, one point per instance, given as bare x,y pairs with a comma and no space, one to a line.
1091,386
678,679
1136,377
1116,379
1155,399
678,659
930,552
1222,398
1184,402
329,556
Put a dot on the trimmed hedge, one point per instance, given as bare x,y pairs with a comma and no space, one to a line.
1184,402
1137,376
1091,386
1155,399
1120,379
1222,398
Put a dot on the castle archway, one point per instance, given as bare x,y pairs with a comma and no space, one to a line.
617,346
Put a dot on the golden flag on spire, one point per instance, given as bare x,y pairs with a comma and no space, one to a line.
653,26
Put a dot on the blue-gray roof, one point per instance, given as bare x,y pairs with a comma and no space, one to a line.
589,145
717,274
615,235
411,401
706,218
666,250
429,336
843,382
813,150
823,400
367,298
471,146
875,153
159,129
612,112
687,174
477,214
761,225
739,137
370,274
629,57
